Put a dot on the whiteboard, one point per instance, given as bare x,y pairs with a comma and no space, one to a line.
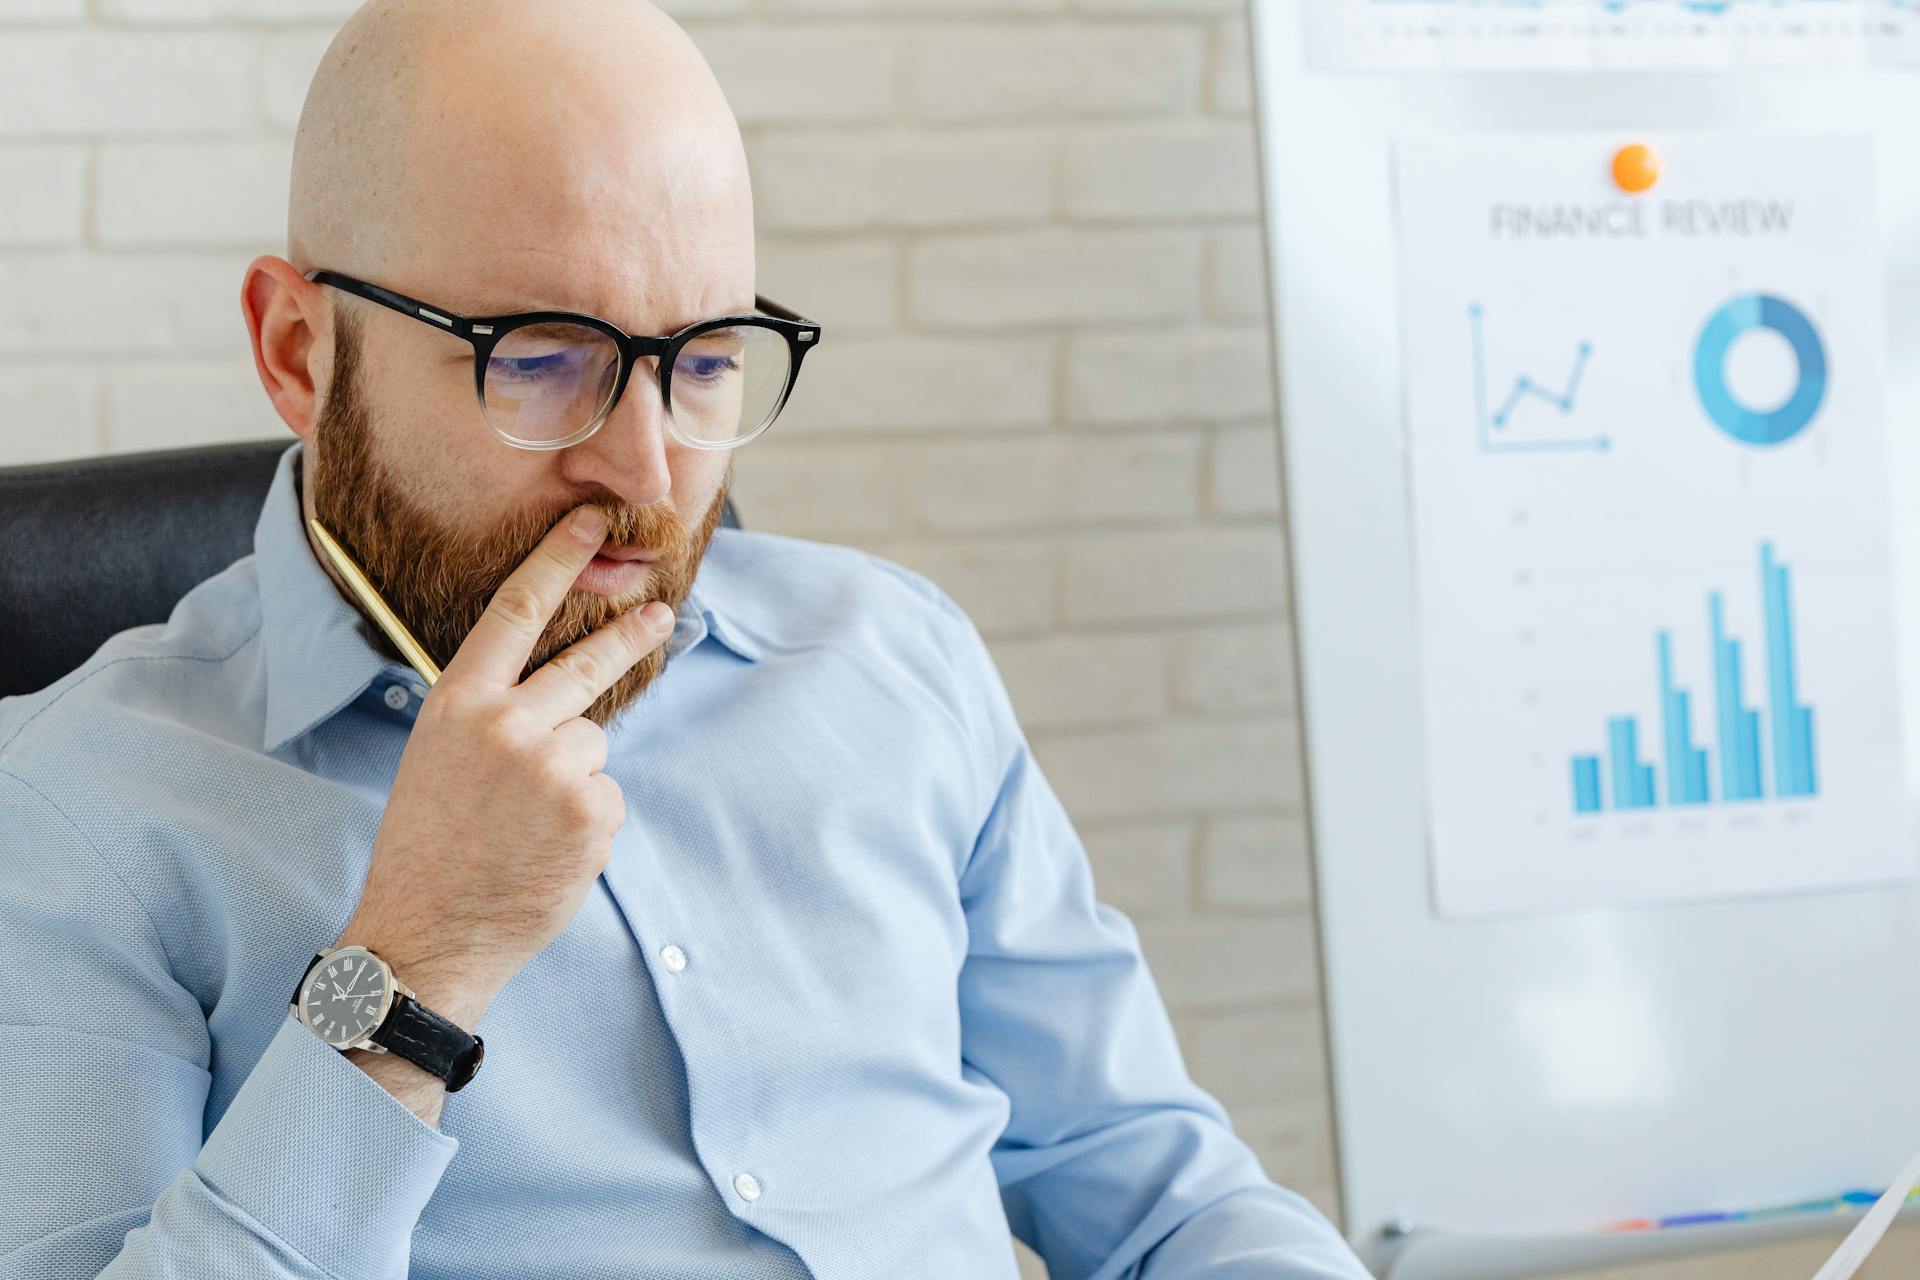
1544,1074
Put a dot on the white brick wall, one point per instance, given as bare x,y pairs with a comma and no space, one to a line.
1030,229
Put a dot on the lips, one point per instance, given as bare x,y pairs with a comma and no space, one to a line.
641,554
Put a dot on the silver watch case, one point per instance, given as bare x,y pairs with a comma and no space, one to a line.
394,989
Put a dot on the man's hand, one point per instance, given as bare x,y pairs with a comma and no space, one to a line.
500,819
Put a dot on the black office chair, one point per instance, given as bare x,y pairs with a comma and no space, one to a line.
96,545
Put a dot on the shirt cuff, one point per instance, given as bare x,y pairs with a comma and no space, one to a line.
1263,1232
316,1151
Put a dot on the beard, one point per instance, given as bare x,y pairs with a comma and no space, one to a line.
439,579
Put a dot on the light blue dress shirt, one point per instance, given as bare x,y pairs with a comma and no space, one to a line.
842,1004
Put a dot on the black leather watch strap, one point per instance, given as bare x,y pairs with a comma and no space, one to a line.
430,1042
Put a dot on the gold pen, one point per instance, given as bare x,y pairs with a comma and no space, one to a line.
389,621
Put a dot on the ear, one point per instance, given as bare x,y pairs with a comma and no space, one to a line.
292,334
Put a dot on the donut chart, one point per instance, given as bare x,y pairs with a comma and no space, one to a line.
1734,318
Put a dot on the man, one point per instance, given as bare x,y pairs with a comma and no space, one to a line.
781,956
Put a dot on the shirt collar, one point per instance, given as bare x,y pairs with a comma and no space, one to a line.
321,652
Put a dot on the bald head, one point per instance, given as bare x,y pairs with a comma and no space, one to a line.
495,155
490,157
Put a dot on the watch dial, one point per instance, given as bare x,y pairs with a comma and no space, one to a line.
342,998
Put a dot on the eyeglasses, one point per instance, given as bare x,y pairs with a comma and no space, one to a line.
548,379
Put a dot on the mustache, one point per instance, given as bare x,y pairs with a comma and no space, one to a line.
653,528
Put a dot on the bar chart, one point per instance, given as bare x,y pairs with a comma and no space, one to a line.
1634,784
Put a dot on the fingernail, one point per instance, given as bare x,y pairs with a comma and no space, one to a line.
589,522
658,616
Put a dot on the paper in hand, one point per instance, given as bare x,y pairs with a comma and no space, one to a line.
1867,1232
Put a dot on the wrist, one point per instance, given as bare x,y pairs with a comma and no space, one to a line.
455,990
353,998
458,1003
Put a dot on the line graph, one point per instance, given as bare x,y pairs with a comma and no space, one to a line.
1492,426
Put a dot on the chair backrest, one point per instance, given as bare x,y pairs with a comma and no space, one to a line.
93,546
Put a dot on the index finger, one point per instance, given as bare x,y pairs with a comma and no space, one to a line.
497,649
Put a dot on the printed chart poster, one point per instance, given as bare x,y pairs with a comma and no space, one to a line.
1483,35
1651,505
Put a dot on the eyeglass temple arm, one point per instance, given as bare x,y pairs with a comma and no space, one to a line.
388,298
772,308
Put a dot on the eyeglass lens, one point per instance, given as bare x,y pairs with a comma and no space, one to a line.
547,381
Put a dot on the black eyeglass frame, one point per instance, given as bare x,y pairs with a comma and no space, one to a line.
485,332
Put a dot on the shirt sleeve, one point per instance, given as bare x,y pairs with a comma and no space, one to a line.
313,1172
1113,1165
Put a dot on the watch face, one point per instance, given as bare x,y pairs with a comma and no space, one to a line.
344,998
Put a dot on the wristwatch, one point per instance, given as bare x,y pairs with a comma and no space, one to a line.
349,998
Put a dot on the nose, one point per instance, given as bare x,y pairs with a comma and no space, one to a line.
628,454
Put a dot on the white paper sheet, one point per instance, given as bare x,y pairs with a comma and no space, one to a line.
1650,493
1867,1232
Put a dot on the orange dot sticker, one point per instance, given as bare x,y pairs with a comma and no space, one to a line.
1636,167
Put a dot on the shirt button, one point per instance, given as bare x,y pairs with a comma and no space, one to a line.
675,959
747,1185
396,697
